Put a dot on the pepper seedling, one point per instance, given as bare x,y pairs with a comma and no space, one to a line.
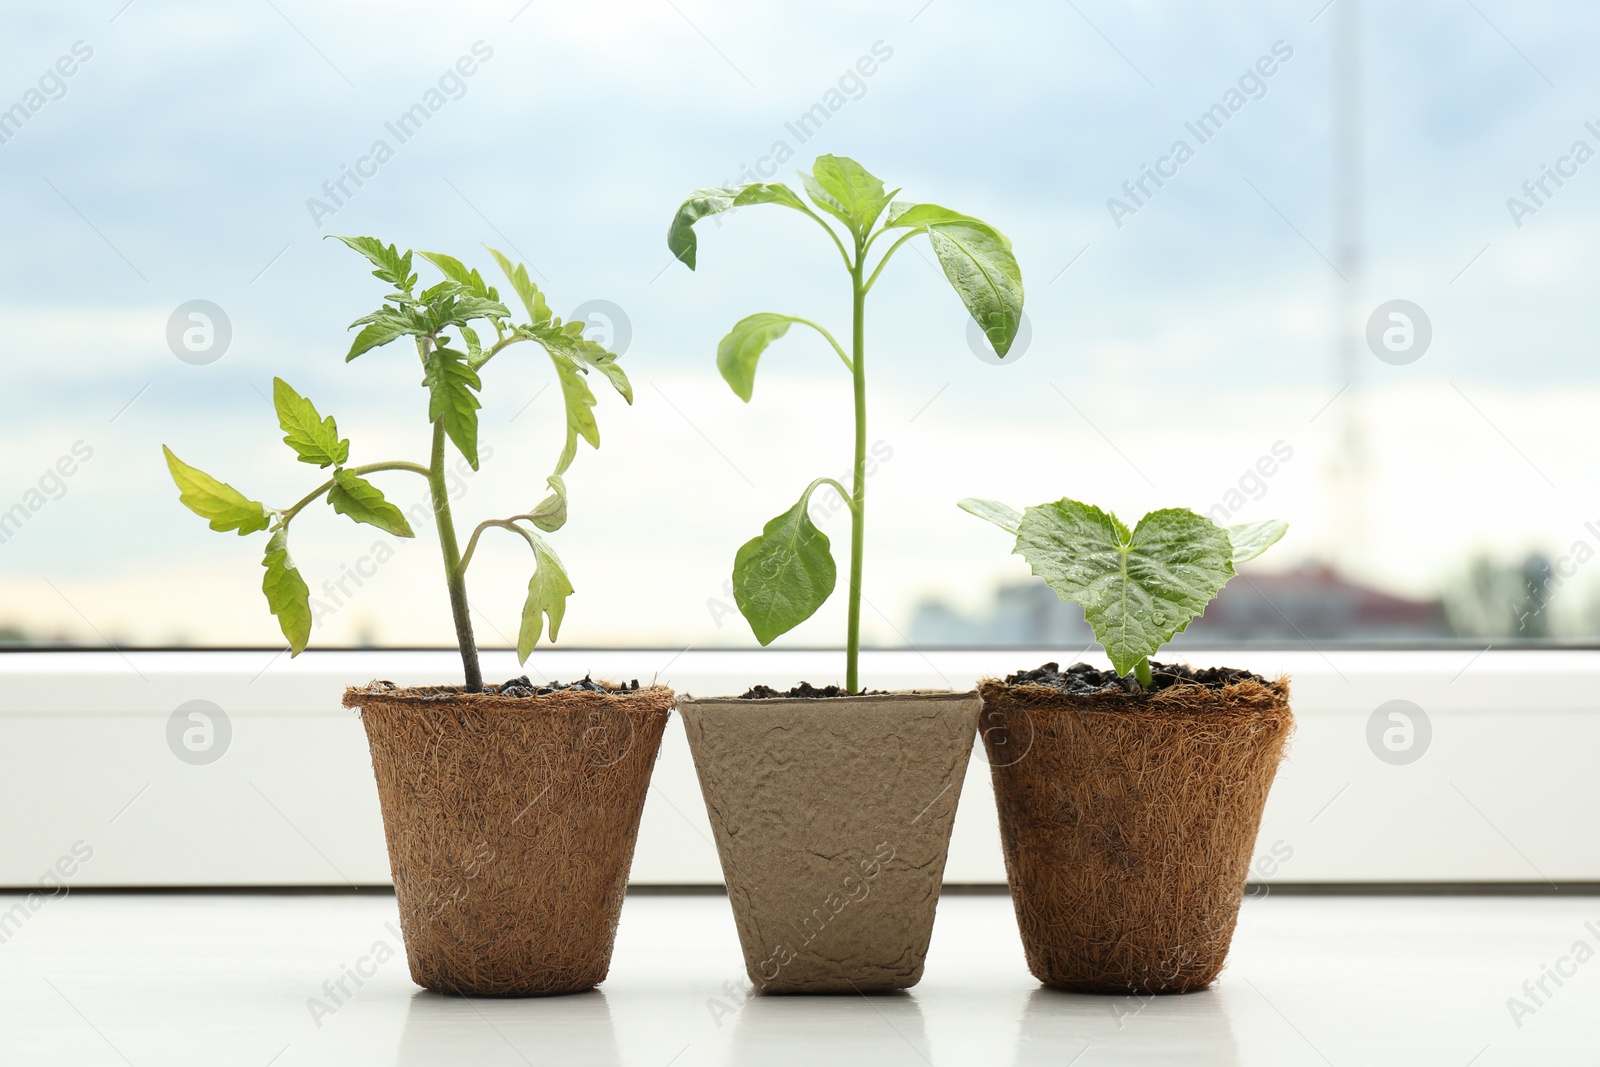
1138,588
783,576
432,318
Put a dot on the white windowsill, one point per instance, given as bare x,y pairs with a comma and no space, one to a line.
1503,794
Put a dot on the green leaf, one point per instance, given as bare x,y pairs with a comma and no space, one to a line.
738,353
440,290
474,347
219,502
902,215
579,403
548,590
457,271
551,513
449,304
315,439
844,189
1250,539
781,578
452,386
703,203
1137,589
381,328
358,498
286,591
767,193
568,340
405,314
393,267
978,262
1004,516
614,374
459,309
909,216
532,299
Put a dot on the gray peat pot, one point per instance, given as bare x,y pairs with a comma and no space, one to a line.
832,819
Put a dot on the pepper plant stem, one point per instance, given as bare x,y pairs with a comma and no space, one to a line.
858,513
453,575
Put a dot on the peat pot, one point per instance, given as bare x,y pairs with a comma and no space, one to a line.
832,819
511,822
1128,821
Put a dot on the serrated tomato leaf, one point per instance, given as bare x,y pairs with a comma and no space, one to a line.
286,592
527,292
551,513
314,439
393,267
381,327
568,340
452,397
218,502
548,591
579,403
468,278
358,498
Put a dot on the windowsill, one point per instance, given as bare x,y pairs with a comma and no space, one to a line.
1501,794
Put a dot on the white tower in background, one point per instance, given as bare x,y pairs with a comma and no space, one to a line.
1349,470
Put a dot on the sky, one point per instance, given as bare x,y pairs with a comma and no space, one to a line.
1172,341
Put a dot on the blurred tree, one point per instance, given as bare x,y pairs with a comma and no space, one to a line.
1498,599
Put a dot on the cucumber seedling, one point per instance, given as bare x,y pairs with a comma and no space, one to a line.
1138,588
460,306
783,576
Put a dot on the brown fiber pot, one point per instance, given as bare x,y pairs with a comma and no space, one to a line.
832,819
1128,823
511,823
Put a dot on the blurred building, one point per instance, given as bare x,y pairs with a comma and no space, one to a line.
1022,613
1314,601
1311,602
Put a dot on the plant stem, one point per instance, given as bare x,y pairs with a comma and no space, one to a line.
509,523
836,242
494,349
884,262
453,575
858,513
842,357
370,468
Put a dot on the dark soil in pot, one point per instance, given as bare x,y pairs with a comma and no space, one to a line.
806,690
511,817
832,819
1128,817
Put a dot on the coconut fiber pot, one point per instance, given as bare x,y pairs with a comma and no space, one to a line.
832,819
511,823
1128,822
